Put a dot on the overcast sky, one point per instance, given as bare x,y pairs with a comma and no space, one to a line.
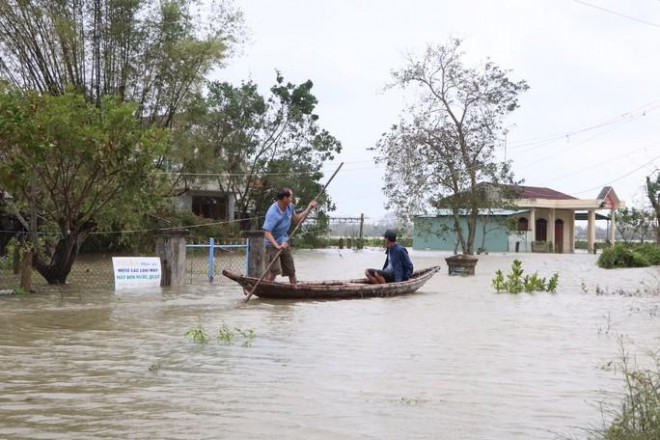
591,117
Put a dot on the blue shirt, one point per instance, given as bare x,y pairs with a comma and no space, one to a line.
278,222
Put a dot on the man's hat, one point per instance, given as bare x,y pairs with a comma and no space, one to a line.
390,234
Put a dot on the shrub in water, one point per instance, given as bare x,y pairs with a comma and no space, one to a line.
621,255
651,252
515,282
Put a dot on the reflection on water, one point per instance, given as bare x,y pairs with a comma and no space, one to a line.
455,360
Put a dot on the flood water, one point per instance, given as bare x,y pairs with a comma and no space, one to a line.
454,361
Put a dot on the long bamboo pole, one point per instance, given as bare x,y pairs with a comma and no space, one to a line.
291,236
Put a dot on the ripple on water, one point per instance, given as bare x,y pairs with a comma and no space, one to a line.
455,360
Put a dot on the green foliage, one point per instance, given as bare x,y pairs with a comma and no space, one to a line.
553,282
77,168
150,51
256,144
225,334
443,147
517,282
498,281
248,336
197,335
653,194
21,291
650,252
622,255
7,262
633,223
638,416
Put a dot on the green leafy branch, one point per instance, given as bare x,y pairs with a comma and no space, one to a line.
517,281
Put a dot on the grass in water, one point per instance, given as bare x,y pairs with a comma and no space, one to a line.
638,415
197,335
225,334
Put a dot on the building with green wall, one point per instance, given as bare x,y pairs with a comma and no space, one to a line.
493,234
542,220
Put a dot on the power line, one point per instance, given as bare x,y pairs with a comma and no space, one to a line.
620,177
578,171
624,117
561,150
617,13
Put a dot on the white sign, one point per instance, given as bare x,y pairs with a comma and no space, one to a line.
136,271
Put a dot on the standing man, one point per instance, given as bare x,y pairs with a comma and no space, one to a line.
397,267
276,228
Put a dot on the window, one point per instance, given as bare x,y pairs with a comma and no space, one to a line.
209,207
523,224
541,230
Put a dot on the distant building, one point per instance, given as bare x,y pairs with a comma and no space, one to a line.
543,221
203,197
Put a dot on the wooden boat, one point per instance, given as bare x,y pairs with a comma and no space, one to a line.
346,289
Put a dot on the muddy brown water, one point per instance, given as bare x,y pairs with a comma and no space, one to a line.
454,361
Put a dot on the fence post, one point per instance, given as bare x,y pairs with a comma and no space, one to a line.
211,255
171,248
17,259
26,270
361,240
256,253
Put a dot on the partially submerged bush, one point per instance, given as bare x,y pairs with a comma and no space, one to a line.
516,282
622,255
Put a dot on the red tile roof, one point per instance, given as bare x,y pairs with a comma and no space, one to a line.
539,192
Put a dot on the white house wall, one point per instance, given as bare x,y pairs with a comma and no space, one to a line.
565,215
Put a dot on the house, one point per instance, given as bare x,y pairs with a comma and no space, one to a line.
543,220
204,197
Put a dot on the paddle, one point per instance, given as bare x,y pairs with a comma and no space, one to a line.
291,236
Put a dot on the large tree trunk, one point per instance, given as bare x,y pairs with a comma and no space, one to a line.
458,229
58,268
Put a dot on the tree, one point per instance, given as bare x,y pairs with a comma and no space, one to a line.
72,167
653,193
152,52
632,223
442,150
252,145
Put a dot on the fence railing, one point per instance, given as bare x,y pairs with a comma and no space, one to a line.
204,263
208,260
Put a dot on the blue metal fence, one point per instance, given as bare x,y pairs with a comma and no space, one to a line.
232,256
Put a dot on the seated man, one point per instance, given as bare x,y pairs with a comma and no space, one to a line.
397,267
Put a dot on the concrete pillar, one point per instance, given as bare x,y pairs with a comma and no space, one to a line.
591,230
532,225
612,226
571,232
171,248
256,253
551,229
